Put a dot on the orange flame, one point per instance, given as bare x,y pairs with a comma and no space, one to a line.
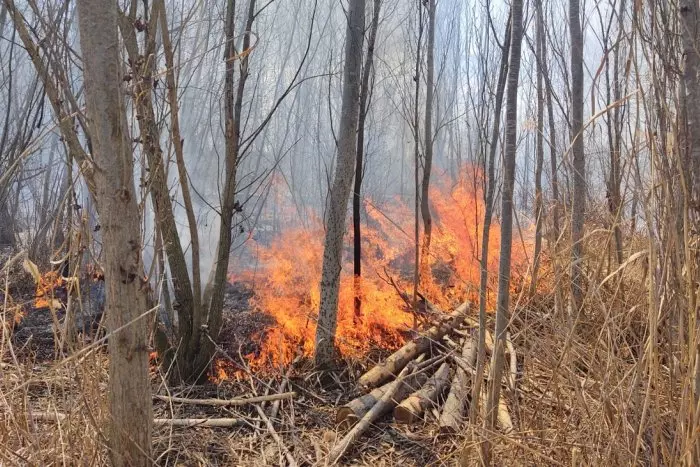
45,290
287,282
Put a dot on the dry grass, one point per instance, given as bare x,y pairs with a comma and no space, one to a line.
599,396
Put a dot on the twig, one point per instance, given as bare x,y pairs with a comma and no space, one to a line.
276,437
198,422
226,402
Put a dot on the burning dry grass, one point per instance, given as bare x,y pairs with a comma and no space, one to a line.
287,278
579,401
584,398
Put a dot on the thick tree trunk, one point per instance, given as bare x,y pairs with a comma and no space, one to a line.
340,190
129,388
356,199
503,304
579,193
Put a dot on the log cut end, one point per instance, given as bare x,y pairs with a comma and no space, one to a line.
345,418
406,415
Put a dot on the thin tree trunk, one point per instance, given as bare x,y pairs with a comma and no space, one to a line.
340,189
143,67
428,159
213,299
416,169
356,199
539,151
178,143
503,302
129,388
579,166
554,237
488,214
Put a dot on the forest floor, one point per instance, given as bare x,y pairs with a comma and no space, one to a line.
573,404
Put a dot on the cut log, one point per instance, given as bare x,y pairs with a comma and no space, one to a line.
353,411
452,411
411,410
390,367
368,419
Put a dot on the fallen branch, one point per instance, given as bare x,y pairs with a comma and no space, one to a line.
412,408
384,371
276,437
452,411
185,422
227,402
198,422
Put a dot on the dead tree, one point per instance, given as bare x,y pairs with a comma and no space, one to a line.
340,189
129,388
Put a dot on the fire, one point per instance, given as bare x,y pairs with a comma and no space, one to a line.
45,286
288,277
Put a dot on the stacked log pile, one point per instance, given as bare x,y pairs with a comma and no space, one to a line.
433,373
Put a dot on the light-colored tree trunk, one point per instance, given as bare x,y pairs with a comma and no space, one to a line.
129,388
342,182
503,301
579,166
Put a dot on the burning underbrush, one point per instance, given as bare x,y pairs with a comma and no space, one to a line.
286,280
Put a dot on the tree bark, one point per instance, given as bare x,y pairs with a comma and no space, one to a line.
579,167
428,141
452,411
129,388
395,362
488,214
539,151
412,408
356,199
503,302
340,189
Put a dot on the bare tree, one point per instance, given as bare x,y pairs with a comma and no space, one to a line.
365,91
504,265
488,215
115,195
428,138
340,189
579,165
539,147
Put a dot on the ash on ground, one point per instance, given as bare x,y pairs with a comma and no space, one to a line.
244,325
